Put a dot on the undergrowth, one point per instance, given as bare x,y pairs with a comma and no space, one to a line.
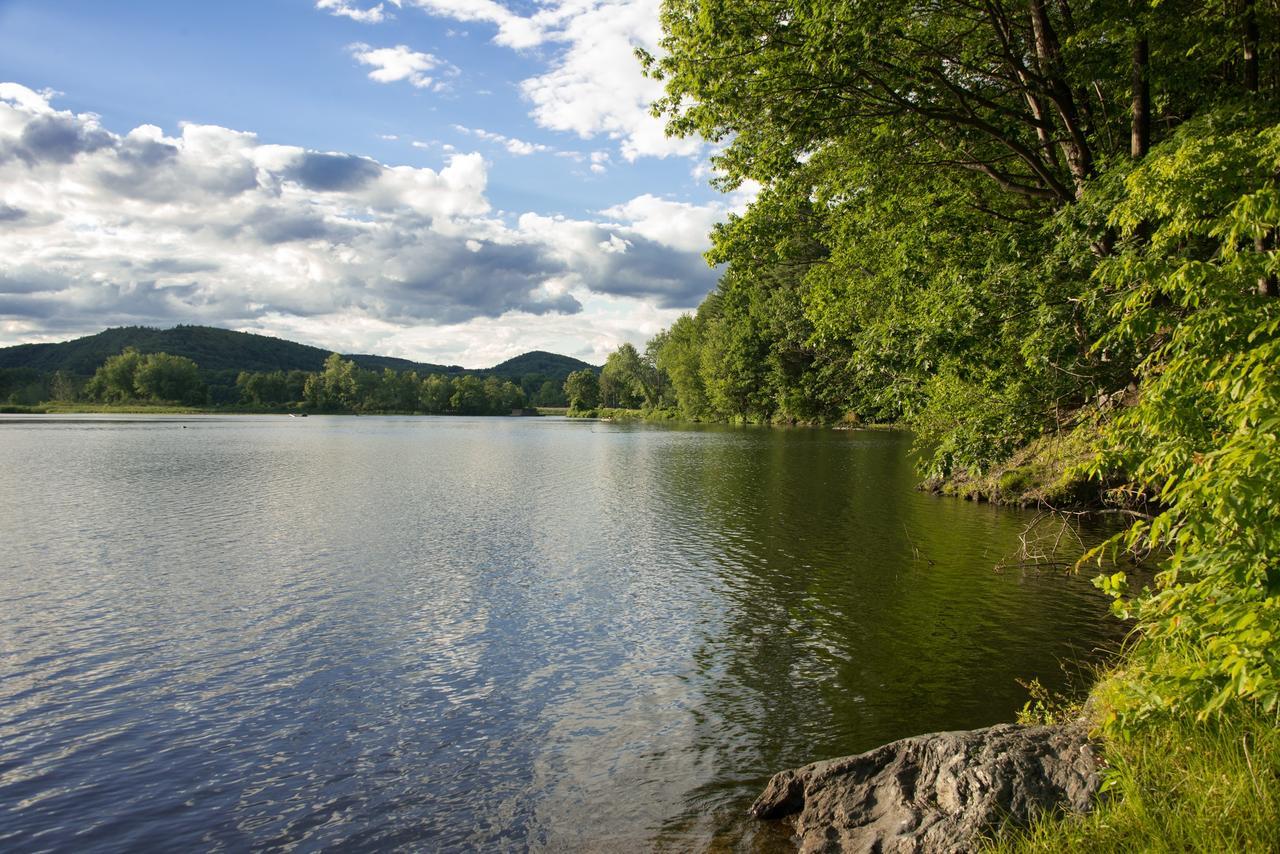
1182,785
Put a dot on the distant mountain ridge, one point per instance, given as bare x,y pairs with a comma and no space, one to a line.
224,350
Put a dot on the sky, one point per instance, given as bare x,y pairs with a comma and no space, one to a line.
453,181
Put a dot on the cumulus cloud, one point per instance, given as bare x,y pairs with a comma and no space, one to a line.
212,226
514,30
393,64
518,147
343,9
593,87
678,225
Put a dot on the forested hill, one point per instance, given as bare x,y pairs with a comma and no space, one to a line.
221,350
540,362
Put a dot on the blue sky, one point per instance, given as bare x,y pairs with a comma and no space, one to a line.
452,180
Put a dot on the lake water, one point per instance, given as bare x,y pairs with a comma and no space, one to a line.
481,634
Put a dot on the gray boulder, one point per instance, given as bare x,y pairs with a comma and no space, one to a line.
935,793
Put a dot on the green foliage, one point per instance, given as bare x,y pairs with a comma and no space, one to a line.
1045,707
582,388
678,355
169,379
972,220
271,388
436,394
630,380
622,379
113,382
63,387
1202,440
469,396
23,386
551,366
215,350
155,377
550,394
225,357
334,387
133,376
1181,786
345,387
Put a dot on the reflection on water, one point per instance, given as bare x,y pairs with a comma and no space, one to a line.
498,634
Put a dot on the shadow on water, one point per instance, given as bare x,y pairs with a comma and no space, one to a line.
856,609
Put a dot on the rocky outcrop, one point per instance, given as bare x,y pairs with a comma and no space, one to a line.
935,793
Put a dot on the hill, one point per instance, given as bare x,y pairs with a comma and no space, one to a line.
223,350
551,365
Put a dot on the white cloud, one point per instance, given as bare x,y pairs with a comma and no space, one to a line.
678,225
212,226
594,87
604,324
514,31
343,9
36,103
518,147
392,64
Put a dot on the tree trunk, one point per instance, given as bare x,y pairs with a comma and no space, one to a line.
1250,46
1140,136
1267,285
1049,57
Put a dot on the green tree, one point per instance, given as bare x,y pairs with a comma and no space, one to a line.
582,388
988,220
114,381
550,394
436,393
335,387
469,396
679,356
166,378
63,387
1192,292
494,396
620,383
393,392
512,397
264,388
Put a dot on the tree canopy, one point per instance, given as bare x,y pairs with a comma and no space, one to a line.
992,219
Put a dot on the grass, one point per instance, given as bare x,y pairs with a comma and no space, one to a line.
607,413
124,409
1177,786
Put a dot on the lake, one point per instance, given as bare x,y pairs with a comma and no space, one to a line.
495,634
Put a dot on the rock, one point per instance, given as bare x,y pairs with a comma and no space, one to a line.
935,793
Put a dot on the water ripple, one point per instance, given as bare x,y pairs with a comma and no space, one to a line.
479,634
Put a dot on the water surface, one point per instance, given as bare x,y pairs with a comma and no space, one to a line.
481,634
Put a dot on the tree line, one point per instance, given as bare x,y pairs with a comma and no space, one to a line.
341,386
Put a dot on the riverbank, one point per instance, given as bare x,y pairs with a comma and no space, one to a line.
1180,785
122,409
1044,788
1047,472
164,409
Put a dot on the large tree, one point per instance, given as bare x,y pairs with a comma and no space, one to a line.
582,388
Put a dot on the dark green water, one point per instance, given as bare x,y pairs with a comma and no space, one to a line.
481,634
